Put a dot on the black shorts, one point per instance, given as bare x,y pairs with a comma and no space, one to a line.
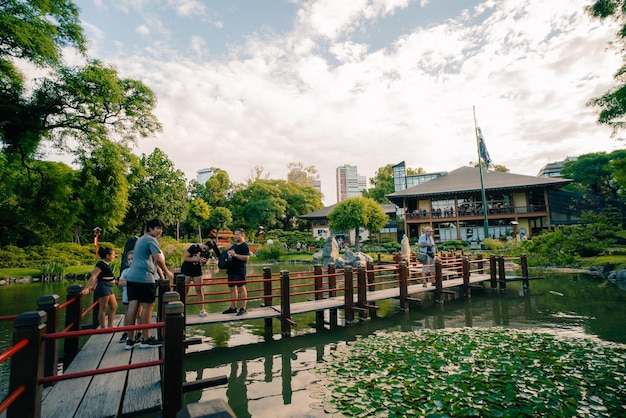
103,288
142,292
236,281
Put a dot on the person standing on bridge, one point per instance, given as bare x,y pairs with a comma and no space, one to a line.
426,245
194,258
141,286
239,253
101,282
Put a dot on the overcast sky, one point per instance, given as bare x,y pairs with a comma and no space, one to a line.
247,83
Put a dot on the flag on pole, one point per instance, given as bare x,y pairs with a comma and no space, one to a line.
482,148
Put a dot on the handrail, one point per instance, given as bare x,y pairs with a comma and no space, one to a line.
85,332
75,375
8,317
11,397
6,354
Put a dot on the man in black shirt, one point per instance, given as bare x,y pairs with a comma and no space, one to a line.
239,253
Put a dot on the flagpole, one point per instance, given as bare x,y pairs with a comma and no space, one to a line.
480,170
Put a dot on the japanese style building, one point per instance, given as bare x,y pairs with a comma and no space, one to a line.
451,203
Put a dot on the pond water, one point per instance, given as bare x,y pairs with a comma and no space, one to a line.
274,378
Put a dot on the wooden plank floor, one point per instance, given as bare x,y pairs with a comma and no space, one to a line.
328,303
121,393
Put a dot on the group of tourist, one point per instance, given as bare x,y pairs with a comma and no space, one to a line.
144,264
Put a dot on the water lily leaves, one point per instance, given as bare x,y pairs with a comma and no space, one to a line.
475,372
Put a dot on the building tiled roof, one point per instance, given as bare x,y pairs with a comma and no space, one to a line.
389,209
467,180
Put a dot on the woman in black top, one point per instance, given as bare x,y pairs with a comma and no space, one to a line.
194,258
101,282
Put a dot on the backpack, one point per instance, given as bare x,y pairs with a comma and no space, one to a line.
224,260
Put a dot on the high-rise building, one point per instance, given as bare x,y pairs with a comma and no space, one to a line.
349,182
203,175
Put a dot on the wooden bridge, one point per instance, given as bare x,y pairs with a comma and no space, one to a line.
104,377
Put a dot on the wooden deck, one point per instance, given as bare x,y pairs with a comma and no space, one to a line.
123,393
328,303
128,393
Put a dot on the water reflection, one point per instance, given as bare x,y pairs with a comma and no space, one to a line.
273,377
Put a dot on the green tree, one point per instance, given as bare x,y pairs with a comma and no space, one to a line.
221,218
159,190
612,105
217,188
355,213
38,204
198,211
102,187
598,174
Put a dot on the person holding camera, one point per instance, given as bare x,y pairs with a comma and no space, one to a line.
426,245
194,258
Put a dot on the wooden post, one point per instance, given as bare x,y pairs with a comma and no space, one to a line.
267,301
501,273
73,315
173,354
27,365
370,283
481,264
492,272
524,263
403,284
466,277
285,307
163,286
332,285
319,315
50,305
438,281
458,260
181,288
361,282
348,295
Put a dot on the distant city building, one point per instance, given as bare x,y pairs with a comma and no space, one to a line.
203,175
349,182
402,182
554,169
317,185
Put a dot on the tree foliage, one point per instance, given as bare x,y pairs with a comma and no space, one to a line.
160,191
198,212
612,104
599,174
356,213
300,174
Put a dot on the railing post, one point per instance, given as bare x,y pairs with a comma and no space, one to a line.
332,285
50,305
163,288
438,281
524,263
181,288
466,277
348,295
403,284
493,272
481,264
267,300
501,273
285,307
361,282
370,283
173,354
319,285
458,260
73,315
27,365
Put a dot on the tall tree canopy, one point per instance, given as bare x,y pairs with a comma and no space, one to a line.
612,104
355,213
599,174
71,108
160,191
300,174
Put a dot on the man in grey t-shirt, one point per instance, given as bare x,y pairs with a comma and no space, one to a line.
141,287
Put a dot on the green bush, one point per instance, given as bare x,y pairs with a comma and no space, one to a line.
270,251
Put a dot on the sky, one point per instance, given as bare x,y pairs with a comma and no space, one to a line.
249,83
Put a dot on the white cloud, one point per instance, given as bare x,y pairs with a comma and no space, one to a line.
528,67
